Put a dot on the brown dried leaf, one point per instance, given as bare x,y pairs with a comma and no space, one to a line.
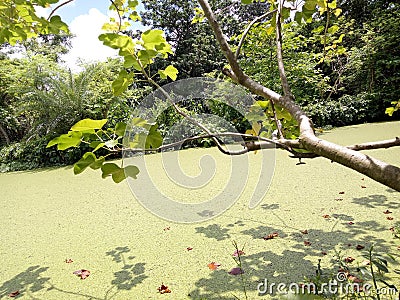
83,274
13,294
163,289
213,265
349,259
271,236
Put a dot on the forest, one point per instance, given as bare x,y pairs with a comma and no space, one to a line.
343,67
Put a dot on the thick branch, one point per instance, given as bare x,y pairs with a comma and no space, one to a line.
380,171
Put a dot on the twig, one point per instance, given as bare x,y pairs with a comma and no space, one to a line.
248,29
119,15
57,7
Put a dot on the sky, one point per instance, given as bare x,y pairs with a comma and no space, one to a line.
85,19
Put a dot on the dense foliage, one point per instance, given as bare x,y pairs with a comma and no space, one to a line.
344,68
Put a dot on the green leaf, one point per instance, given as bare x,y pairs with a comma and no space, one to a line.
98,163
153,38
380,266
170,72
139,122
389,111
263,104
131,171
96,145
120,129
247,1
88,124
154,138
87,159
111,169
65,141
122,82
332,4
53,142
310,4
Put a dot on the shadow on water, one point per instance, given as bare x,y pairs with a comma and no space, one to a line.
377,201
297,261
33,279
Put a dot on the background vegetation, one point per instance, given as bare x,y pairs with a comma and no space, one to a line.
344,71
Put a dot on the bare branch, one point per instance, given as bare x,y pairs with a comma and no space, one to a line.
281,67
57,7
258,19
119,15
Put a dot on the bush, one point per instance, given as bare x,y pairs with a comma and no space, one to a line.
33,154
347,110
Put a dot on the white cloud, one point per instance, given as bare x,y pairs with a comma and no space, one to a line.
86,45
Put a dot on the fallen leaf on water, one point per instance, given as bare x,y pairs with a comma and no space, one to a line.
391,229
363,187
360,247
13,294
167,228
351,223
238,253
236,271
386,212
307,243
163,289
324,253
68,261
326,216
354,279
189,248
271,236
83,274
341,193
339,199
349,245
304,231
389,218
213,265
366,263
349,259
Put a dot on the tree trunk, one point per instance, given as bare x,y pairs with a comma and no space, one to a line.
5,135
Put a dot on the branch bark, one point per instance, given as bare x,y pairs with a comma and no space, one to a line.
382,172
5,135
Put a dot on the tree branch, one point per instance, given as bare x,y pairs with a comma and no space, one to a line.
57,7
281,66
248,29
380,171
